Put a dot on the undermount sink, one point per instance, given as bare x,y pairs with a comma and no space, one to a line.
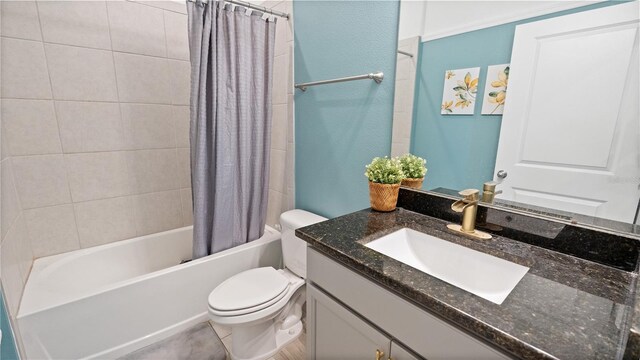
481,274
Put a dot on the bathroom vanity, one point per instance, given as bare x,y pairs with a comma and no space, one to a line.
575,301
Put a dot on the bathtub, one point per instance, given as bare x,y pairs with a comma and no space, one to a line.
109,300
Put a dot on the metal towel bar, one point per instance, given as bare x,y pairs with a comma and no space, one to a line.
377,77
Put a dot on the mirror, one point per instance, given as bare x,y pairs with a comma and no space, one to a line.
540,97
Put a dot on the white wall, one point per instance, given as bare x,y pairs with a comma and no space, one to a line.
444,18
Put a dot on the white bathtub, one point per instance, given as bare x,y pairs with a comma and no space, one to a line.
106,301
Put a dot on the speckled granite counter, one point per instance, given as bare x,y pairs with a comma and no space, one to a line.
564,307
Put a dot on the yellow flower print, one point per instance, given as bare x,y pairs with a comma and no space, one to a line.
498,97
466,91
447,106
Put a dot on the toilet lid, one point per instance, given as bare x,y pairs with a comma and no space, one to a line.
248,289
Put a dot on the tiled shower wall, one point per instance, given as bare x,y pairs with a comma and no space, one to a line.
95,125
95,120
281,181
406,67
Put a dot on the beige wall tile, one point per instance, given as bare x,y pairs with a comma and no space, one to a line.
277,170
143,79
10,207
24,70
180,81
175,6
90,126
105,221
24,252
41,180
158,211
182,123
20,19
81,73
11,279
291,128
289,172
52,230
153,170
30,127
280,47
148,126
290,200
98,175
279,127
184,167
16,262
81,23
4,144
187,206
137,28
177,35
17,243
280,79
274,207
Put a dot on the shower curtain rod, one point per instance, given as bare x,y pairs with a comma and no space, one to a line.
252,6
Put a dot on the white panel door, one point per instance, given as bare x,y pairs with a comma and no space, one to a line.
570,131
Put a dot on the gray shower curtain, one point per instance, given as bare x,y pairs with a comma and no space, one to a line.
231,76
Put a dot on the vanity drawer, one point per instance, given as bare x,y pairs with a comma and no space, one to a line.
422,332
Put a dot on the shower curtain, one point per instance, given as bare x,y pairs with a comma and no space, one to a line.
231,74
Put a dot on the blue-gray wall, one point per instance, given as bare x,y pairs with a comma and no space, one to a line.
7,347
341,127
461,149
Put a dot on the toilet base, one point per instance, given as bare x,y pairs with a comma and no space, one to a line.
258,341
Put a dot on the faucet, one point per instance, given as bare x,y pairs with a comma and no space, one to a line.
489,191
468,206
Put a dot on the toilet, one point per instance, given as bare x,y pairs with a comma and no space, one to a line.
263,306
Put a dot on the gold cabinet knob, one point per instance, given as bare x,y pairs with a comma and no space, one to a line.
379,354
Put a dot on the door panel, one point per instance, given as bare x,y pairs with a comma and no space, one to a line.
569,134
398,352
339,334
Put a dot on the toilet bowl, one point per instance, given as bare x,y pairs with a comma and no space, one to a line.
263,306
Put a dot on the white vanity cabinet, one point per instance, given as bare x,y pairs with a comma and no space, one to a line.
351,317
338,333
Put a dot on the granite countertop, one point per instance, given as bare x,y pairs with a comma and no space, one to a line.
564,307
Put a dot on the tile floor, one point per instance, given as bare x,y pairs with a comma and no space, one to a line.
206,341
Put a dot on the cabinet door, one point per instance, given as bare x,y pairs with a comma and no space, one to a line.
334,332
398,352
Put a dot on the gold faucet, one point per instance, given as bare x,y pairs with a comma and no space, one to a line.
468,206
489,191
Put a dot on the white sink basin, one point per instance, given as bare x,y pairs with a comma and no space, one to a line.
481,274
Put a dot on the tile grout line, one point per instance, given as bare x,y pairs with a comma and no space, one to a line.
129,173
97,101
166,57
99,152
55,114
173,120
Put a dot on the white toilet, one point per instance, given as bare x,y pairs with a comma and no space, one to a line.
263,306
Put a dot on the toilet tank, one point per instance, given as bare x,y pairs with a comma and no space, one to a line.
294,250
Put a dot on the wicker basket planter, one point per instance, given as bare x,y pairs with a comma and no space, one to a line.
414,183
383,197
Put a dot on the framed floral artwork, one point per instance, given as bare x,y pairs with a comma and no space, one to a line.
459,94
495,90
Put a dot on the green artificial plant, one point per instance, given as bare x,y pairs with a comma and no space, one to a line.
384,171
413,167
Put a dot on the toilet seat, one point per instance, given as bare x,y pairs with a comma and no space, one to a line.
248,291
258,312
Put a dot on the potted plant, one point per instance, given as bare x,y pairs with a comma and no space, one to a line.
414,169
385,176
